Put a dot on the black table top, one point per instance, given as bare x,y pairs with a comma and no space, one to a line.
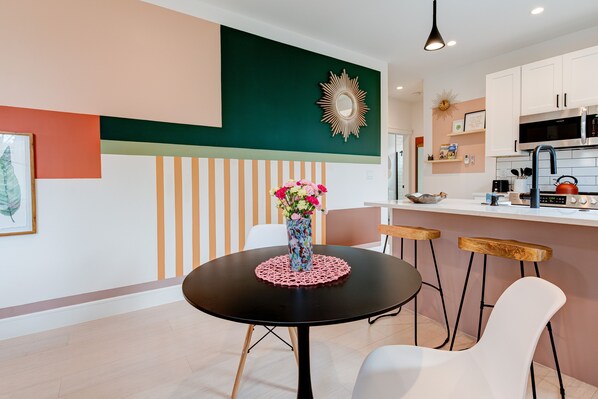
228,288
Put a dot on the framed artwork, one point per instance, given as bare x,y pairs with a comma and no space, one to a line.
458,126
17,184
475,120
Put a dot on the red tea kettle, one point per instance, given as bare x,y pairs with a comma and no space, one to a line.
566,187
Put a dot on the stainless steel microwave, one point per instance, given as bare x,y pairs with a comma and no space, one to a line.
576,127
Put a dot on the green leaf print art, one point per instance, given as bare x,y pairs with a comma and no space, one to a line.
10,191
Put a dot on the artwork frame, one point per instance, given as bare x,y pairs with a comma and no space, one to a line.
474,121
17,184
458,126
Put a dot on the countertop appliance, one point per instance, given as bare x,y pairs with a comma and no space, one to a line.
547,198
576,127
500,186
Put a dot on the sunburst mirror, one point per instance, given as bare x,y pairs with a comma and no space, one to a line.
343,104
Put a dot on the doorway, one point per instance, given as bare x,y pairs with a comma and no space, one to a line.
398,165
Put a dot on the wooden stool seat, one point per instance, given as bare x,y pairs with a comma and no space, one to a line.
510,249
408,232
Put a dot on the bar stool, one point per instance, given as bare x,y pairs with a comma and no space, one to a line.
507,249
416,234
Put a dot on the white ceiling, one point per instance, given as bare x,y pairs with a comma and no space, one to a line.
395,30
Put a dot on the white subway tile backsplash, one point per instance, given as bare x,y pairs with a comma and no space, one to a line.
584,172
576,163
581,163
588,189
579,153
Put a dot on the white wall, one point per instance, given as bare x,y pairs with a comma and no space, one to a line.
399,116
468,82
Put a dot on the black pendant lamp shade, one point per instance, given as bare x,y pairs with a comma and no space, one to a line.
435,41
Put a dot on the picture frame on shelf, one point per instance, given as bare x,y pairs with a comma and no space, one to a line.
458,126
444,150
474,121
452,151
17,184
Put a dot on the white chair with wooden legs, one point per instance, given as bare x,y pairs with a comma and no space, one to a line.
261,236
497,367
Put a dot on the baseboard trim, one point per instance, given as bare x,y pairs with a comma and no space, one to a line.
17,326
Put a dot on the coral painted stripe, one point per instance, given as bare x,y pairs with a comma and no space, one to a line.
195,234
267,189
160,215
227,206
67,146
314,235
178,214
279,185
241,203
254,193
324,204
303,175
212,205
292,170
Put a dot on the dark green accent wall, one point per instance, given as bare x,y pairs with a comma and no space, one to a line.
269,95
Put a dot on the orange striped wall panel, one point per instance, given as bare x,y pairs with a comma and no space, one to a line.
66,145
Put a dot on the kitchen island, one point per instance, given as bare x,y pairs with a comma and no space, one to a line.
573,236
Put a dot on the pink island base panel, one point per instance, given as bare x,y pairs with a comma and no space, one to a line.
573,267
325,269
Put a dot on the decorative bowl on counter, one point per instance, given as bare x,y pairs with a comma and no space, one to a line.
419,198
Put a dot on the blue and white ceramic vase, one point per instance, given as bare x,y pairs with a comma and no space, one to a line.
300,249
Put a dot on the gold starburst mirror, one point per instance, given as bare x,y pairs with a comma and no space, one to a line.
344,105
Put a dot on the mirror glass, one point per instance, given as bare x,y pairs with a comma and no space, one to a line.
344,105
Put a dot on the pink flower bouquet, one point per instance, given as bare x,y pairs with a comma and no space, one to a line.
299,199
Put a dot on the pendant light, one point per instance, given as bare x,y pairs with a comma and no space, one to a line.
435,41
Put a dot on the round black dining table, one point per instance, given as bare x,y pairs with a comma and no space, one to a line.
228,288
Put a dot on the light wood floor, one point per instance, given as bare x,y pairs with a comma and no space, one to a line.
175,351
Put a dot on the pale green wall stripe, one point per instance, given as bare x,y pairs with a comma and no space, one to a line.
139,148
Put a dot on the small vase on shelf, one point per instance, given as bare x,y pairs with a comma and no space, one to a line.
300,244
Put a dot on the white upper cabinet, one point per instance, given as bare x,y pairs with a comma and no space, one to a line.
541,86
567,81
580,77
502,112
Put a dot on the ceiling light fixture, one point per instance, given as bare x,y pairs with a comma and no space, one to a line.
451,43
537,10
399,87
435,41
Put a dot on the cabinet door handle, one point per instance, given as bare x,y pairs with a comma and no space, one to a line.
565,105
557,101
515,146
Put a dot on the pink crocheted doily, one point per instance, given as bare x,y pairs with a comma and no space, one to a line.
325,269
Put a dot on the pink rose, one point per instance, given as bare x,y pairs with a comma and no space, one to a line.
295,216
313,200
289,183
322,188
281,192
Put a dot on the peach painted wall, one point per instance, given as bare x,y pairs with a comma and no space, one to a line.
112,57
573,268
473,144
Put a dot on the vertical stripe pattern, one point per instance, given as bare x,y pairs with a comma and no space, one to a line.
219,200
160,215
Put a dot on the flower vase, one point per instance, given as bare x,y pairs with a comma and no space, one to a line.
300,249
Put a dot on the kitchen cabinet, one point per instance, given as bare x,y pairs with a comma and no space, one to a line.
503,107
567,81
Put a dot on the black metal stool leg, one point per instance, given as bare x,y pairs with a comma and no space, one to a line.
531,373
556,358
385,242
415,307
461,303
373,320
448,329
482,304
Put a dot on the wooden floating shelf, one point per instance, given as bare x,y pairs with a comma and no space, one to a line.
445,160
465,133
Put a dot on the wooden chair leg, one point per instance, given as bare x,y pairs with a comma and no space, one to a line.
293,336
242,360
